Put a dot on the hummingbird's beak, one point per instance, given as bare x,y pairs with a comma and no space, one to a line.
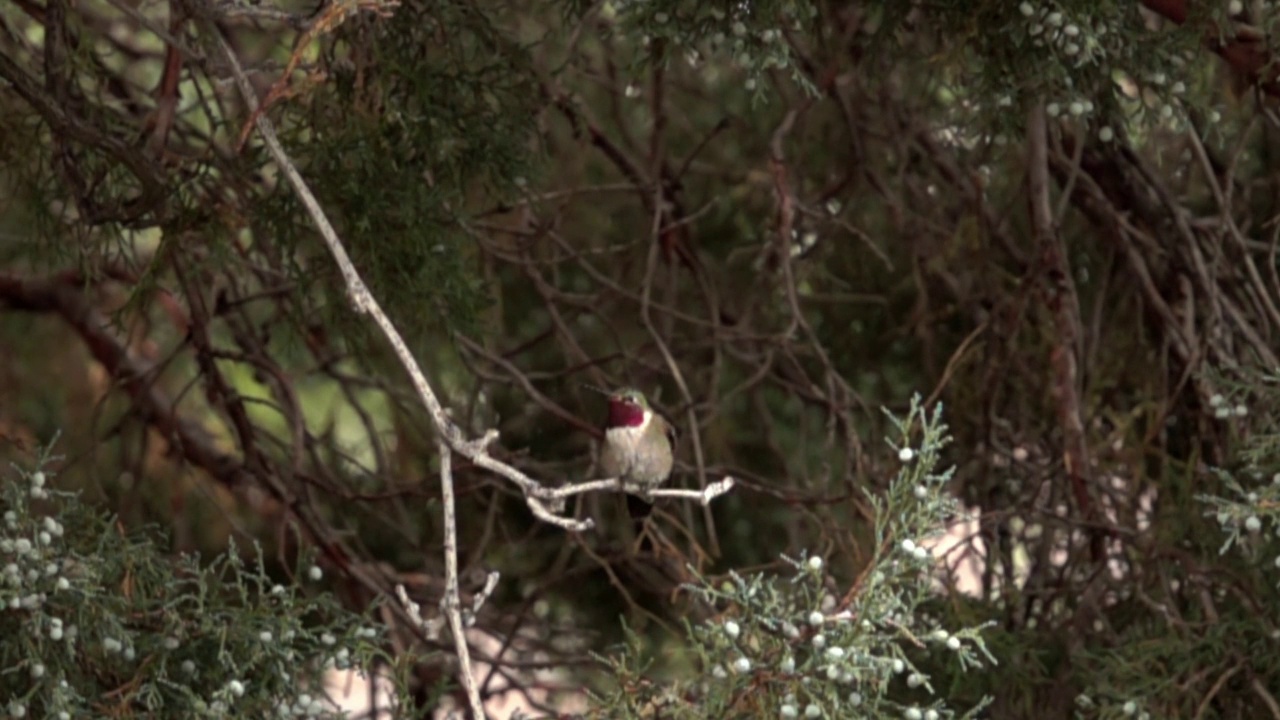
593,388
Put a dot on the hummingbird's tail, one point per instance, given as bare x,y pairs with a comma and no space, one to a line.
638,508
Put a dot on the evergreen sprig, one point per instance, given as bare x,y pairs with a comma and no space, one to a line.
100,621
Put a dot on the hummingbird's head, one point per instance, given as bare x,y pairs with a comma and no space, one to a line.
627,408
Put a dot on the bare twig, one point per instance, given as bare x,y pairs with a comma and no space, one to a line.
450,604
490,584
1267,698
430,628
704,496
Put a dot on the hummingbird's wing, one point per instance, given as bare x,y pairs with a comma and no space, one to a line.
611,460
669,428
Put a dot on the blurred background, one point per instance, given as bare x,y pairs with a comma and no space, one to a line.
1058,220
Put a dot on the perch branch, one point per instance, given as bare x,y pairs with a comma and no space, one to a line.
704,496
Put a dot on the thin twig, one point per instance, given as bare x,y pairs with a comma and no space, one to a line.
704,496
1267,698
450,604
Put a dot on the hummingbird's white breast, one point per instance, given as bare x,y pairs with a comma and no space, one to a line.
626,455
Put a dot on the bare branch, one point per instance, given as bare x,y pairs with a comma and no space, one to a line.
450,604
429,628
704,496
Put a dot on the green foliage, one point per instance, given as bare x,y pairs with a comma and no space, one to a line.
1151,676
1247,507
791,647
1180,640
1098,63
424,118
588,187
100,622
751,35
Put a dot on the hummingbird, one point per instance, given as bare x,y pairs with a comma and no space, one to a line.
638,442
